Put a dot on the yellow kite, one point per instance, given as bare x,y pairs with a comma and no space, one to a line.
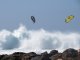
69,18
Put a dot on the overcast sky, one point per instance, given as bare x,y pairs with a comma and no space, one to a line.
49,14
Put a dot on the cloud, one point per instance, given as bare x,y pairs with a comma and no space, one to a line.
24,39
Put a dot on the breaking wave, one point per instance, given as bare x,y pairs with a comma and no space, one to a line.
22,39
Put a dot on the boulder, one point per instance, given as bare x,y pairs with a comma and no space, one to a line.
53,52
70,54
56,56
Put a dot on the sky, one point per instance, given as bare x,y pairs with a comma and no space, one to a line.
50,15
50,31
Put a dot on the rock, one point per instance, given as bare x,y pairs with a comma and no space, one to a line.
32,54
45,56
42,56
70,54
8,57
44,53
23,56
36,58
1,56
79,54
53,52
18,55
29,56
56,56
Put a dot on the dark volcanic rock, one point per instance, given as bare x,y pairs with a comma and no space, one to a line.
44,53
8,57
18,55
70,54
53,52
56,56
43,56
37,58
32,54
1,56
79,54
23,56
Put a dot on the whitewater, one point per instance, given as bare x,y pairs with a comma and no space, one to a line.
24,40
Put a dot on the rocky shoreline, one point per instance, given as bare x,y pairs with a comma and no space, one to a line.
68,54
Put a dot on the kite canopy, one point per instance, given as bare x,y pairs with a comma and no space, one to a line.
33,18
69,18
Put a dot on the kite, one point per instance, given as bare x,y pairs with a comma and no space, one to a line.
69,18
33,19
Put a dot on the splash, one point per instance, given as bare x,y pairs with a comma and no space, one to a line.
22,39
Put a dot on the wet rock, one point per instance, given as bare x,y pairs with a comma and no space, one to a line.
23,56
79,54
70,54
37,58
45,56
29,56
42,56
32,54
53,52
8,57
56,56
18,55
1,56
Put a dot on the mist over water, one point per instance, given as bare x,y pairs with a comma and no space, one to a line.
25,40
